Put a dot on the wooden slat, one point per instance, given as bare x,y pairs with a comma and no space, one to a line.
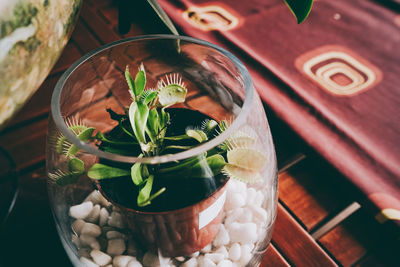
84,39
273,258
357,236
296,244
310,190
26,144
70,54
98,25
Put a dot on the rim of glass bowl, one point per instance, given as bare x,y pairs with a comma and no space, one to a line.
245,109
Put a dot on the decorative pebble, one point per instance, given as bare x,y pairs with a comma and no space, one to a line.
181,259
122,260
116,220
81,211
234,201
94,214
103,216
245,254
91,241
77,226
134,263
76,241
225,263
222,238
151,260
196,254
203,261
251,196
115,234
190,263
100,258
91,229
243,232
234,252
215,257
88,263
206,249
97,198
116,246
222,250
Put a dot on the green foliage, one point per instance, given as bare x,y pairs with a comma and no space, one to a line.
142,133
300,9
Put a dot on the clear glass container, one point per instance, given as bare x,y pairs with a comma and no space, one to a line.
204,216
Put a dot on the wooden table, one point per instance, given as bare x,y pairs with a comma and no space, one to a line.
319,221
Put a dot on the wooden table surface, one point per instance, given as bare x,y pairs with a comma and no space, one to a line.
319,223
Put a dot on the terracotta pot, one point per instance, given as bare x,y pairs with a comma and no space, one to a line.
178,232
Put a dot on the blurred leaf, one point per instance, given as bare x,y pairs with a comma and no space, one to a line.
152,125
76,165
163,16
300,8
101,171
199,135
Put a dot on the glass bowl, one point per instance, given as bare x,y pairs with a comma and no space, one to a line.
205,216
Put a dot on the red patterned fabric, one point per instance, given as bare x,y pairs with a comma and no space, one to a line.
334,79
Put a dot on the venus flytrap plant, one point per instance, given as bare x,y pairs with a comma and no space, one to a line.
142,132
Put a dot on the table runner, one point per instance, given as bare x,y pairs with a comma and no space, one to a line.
338,76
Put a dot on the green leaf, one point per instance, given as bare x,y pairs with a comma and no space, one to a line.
76,165
148,96
138,114
300,8
153,124
145,191
63,179
140,81
83,136
199,135
136,173
171,94
202,169
129,81
101,171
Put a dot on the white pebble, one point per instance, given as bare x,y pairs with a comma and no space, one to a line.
225,263
115,234
206,262
196,254
243,232
260,215
116,220
259,199
97,198
81,211
76,241
234,201
151,260
251,196
214,257
91,241
94,214
190,263
84,252
180,259
245,254
238,215
77,226
103,216
206,249
222,250
122,260
91,229
234,252
88,263
222,238
134,263
100,258
116,246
